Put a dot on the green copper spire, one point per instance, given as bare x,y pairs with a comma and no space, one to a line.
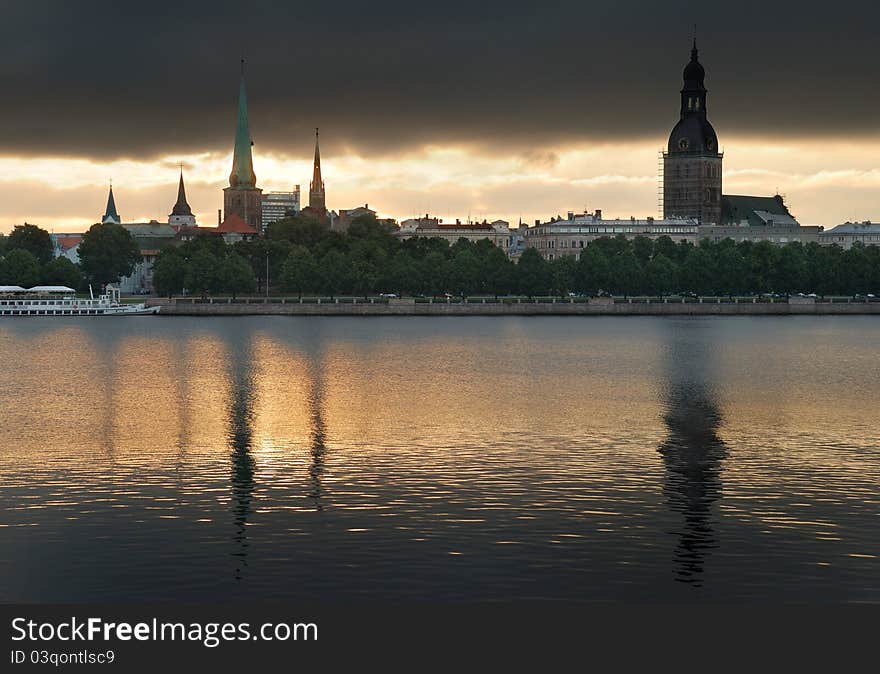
242,175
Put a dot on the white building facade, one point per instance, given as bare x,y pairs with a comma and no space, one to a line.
867,233
571,235
498,232
278,205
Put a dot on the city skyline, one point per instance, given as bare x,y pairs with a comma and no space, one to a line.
585,133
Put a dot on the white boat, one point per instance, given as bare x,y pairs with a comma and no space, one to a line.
62,301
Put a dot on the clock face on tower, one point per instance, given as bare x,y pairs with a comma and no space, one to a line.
683,144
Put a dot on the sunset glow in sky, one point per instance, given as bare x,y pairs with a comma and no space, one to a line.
502,110
824,182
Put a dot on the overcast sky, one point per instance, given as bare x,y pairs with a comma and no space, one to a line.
493,109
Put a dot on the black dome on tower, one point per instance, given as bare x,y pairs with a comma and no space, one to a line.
693,134
694,73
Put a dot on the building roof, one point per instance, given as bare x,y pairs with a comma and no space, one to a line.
149,229
588,220
856,228
755,211
148,243
462,226
233,224
68,241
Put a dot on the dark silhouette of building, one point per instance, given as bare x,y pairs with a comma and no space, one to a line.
110,214
242,197
692,162
181,213
751,211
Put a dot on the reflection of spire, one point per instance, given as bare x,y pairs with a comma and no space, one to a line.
107,344
317,434
243,466
182,386
692,454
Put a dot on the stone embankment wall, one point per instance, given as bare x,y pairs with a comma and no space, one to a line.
562,307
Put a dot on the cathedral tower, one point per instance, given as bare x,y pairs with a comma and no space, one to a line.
692,162
242,197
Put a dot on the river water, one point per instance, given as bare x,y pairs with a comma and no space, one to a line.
469,458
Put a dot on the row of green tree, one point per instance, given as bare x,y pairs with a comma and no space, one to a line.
300,256
107,253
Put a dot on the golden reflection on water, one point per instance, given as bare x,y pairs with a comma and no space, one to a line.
630,451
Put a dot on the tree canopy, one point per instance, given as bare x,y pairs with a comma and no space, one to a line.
19,267
62,272
33,239
107,253
305,257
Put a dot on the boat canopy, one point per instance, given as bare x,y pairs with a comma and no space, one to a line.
12,289
51,289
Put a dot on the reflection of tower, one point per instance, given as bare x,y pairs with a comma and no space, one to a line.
242,197
182,403
240,436
692,162
317,433
692,452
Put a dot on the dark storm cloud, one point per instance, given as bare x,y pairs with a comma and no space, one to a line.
116,79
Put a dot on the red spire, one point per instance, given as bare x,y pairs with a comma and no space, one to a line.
317,200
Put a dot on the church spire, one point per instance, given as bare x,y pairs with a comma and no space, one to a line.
110,214
693,93
317,199
242,175
181,207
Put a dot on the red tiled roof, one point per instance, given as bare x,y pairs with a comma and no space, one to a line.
234,224
68,242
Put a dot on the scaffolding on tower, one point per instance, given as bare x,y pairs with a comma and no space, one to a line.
661,156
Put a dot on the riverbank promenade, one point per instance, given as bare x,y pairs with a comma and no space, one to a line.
543,306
